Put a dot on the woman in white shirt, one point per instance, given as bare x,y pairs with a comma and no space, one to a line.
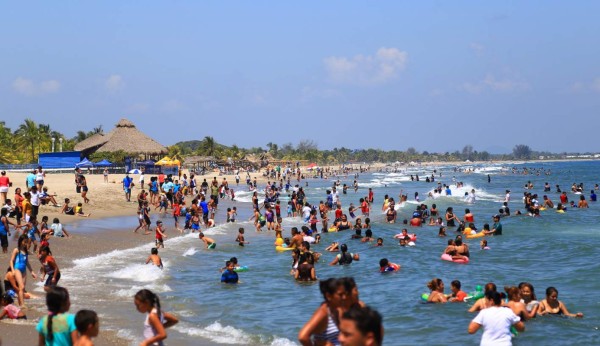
496,321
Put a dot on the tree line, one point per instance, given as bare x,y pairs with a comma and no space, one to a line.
23,144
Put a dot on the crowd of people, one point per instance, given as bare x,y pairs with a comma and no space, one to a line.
341,319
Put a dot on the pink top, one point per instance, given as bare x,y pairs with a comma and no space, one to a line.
4,181
12,310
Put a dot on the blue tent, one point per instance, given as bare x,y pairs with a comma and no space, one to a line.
103,163
146,163
85,163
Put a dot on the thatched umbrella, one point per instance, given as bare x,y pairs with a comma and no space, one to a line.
126,137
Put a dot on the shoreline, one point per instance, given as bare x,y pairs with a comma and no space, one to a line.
67,250
109,203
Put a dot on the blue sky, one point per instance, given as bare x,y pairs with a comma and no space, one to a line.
433,75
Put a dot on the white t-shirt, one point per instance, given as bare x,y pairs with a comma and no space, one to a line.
57,228
35,199
306,212
496,322
309,239
335,197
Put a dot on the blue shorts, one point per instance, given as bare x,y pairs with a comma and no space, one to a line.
49,280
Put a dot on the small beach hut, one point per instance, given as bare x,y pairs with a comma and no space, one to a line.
124,137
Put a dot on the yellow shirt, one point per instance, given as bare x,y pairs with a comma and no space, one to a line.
26,206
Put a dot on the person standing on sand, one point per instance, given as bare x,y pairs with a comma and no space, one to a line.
127,184
30,179
5,184
81,184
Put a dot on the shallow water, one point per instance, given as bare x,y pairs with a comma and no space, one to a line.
269,308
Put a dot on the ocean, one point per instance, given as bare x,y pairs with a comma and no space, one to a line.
268,307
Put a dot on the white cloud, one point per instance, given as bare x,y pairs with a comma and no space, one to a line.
585,87
28,87
437,92
492,83
173,106
577,87
138,108
596,85
376,69
309,93
114,83
49,86
477,48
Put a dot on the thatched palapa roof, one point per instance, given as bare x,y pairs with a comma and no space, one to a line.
191,160
126,137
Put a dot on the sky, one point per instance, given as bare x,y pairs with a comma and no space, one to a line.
432,75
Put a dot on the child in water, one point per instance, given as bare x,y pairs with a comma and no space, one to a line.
229,276
159,234
484,245
88,326
156,321
155,258
387,266
240,237
209,242
379,242
10,310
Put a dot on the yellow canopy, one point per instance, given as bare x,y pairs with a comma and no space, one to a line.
165,161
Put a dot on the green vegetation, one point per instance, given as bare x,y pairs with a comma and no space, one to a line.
24,144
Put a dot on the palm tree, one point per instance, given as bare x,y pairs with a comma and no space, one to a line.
81,135
6,141
44,135
175,153
208,145
98,129
27,134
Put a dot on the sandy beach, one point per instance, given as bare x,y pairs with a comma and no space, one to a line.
106,200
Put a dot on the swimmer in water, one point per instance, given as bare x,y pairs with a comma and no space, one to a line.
552,306
240,237
209,242
155,258
437,291
484,245
387,266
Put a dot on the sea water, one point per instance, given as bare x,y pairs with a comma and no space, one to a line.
268,307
